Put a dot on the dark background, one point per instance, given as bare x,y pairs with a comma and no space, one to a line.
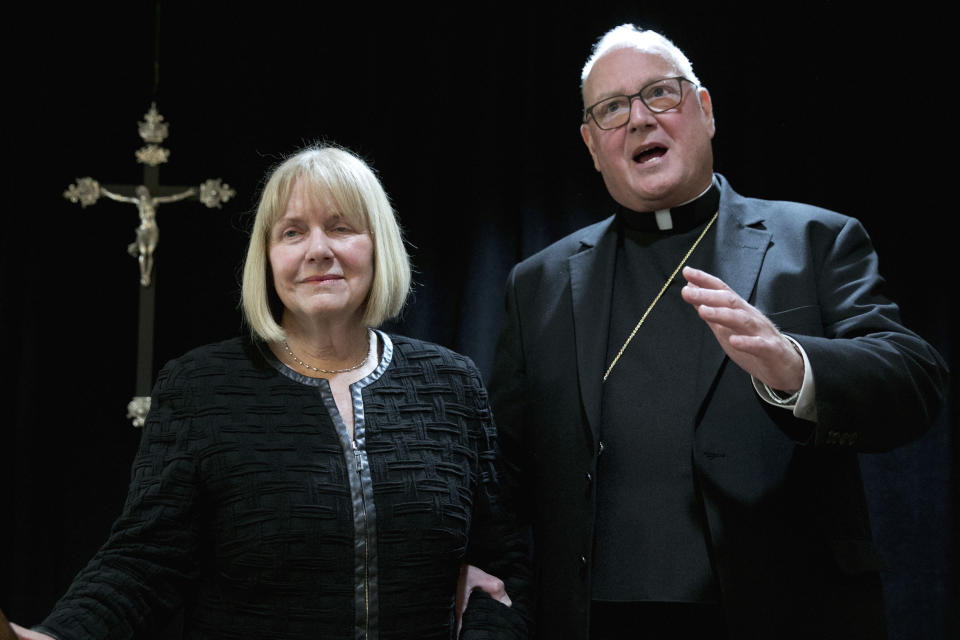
470,115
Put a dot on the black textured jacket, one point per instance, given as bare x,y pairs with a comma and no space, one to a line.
250,506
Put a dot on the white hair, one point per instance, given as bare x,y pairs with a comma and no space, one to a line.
628,35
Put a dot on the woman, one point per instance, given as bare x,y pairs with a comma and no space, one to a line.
318,479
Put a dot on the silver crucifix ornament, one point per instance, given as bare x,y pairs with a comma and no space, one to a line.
147,197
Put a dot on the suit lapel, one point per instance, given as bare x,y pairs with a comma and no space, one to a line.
591,285
738,249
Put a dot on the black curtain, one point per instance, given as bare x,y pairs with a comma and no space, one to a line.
470,115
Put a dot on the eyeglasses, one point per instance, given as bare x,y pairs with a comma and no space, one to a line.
658,96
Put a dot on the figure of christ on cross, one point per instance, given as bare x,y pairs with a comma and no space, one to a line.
148,233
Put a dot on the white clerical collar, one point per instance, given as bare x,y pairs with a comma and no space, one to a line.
665,220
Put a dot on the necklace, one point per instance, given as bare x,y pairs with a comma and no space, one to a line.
303,364
662,290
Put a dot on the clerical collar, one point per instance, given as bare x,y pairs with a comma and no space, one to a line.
677,219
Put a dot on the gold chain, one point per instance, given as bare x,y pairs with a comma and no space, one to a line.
657,299
303,364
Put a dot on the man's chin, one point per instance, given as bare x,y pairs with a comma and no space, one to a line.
653,197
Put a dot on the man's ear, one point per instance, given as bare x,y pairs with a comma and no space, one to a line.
706,108
589,141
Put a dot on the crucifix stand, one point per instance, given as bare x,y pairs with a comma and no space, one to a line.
147,197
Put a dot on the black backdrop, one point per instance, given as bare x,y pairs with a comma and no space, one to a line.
470,116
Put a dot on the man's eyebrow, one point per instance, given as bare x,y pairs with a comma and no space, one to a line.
625,92
610,94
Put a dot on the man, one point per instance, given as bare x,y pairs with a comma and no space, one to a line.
686,451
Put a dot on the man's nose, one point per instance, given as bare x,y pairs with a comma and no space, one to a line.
640,114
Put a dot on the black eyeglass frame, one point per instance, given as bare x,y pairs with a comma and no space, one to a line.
588,112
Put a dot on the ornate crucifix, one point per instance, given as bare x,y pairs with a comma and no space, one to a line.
147,197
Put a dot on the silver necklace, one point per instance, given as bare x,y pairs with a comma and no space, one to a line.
303,364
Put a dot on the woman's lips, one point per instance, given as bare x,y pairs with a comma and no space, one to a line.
324,278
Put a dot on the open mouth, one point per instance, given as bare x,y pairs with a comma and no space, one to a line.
649,153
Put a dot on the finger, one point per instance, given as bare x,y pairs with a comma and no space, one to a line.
463,592
27,634
735,321
494,587
712,297
497,592
703,279
689,293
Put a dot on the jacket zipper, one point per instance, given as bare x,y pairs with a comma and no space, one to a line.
366,546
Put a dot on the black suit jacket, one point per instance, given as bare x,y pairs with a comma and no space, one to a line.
789,533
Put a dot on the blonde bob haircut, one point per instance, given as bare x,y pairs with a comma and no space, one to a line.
350,185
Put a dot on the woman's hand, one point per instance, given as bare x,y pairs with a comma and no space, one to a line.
471,578
26,634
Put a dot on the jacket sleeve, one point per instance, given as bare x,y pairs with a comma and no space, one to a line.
496,545
508,395
878,384
136,578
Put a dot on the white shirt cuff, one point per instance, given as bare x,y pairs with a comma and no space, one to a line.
802,403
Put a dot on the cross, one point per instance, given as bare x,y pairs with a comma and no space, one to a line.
147,197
